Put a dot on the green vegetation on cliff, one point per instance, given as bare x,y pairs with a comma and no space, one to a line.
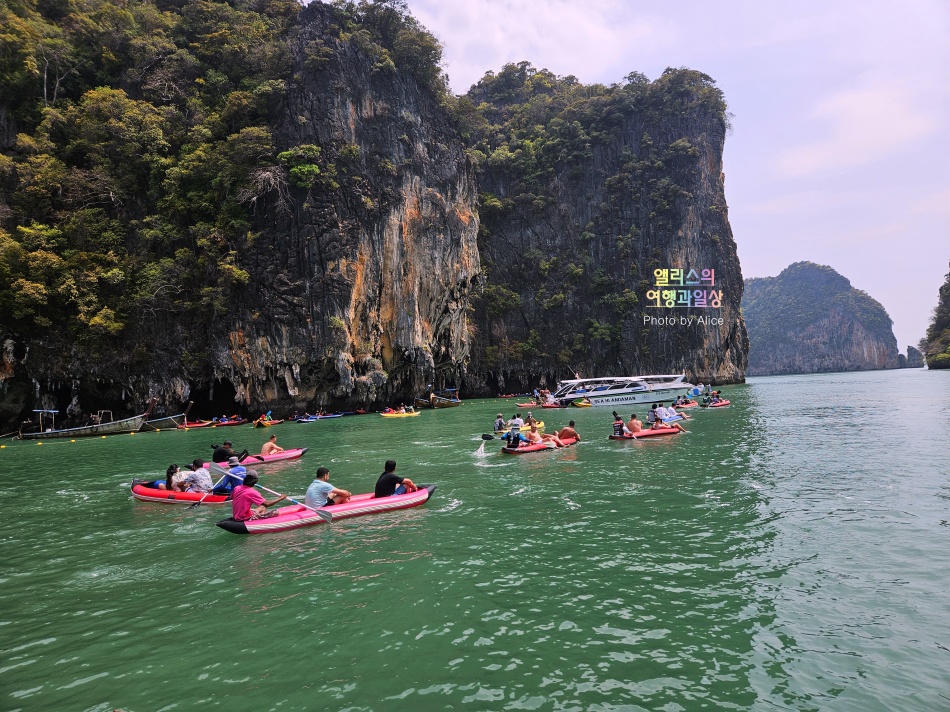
584,191
136,140
804,321
143,134
937,342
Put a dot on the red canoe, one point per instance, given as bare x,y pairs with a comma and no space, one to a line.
720,404
537,447
143,490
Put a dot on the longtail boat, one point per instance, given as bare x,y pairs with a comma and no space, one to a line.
126,425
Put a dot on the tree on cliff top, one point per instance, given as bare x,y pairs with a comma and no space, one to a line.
937,342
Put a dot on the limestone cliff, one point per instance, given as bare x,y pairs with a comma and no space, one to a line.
360,284
913,359
266,206
809,319
587,191
306,235
936,345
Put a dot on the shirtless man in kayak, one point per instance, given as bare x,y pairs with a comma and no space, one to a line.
271,446
569,432
634,425
535,437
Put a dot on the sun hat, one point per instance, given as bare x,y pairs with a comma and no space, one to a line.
232,461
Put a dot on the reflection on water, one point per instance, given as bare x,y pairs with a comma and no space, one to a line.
782,554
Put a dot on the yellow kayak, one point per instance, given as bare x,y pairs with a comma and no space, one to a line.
401,415
581,403
524,428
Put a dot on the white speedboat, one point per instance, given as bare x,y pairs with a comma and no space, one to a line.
623,390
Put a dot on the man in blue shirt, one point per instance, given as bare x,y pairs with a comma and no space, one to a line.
235,477
321,493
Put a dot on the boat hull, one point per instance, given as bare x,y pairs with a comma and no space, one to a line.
657,395
142,490
169,422
536,447
437,402
128,425
617,391
643,434
524,428
297,516
191,425
289,454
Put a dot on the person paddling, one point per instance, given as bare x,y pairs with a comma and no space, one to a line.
271,446
236,473
247,503
223,452
619,427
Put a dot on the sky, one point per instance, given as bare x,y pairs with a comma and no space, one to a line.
840,145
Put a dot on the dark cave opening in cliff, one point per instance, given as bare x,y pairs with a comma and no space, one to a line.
216,400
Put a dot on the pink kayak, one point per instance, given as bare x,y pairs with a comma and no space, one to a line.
143,490
297,516
537,447
647,434
720,404
251,460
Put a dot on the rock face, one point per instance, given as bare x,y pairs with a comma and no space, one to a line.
586,192
277,208
357,267
809,319
362,283
937,342
914,358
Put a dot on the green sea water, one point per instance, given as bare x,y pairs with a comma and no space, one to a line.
791,551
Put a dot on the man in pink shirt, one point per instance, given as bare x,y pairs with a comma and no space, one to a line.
247,503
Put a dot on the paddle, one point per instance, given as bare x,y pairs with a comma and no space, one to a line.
325,516
244,455
486,436
226,473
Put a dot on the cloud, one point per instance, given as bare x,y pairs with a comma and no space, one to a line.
590,40
862,126
937,203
